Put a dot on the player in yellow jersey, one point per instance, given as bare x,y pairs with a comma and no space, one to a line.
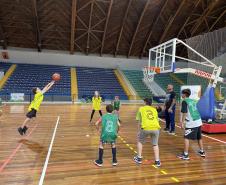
148,126
96,100
34,106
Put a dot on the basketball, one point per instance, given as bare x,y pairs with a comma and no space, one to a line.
56,76
157,70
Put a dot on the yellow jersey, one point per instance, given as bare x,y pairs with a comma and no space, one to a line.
96,103
35,104
148,116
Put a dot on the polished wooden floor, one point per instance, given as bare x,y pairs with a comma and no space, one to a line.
75,147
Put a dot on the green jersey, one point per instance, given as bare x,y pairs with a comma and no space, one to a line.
109,128
116,105
194,113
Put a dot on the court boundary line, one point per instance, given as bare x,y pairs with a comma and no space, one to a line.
49,152
10,157
162,171
204,135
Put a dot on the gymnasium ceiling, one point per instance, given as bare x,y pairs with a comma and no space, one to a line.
115,27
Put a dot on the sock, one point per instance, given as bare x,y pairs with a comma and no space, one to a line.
101,152
114,154
201,150
185,153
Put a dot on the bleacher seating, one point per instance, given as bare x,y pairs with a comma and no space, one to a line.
182,76
96,79
28,76
135,78
191,79
165,78
195,80
4,66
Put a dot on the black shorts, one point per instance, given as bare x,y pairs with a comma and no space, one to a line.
116,108
31,113
193,133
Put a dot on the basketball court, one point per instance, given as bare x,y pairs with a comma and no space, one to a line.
71,59
75,147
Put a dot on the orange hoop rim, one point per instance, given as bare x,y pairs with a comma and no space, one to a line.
153,68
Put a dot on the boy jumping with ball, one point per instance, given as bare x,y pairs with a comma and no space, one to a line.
109,132
34,106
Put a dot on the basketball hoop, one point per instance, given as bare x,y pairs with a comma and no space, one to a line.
153,69
149,72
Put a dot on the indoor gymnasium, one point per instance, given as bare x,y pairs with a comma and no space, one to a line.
120,92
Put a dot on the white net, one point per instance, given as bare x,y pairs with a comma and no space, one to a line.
148,75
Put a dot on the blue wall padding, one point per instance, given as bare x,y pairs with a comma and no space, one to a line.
206,104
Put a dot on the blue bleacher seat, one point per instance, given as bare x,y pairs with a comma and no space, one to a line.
28,76
102,80
4,66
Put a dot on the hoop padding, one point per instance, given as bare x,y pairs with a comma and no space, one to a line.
206,104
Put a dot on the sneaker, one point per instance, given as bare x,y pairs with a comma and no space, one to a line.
20,130
138,160
157,163
172,133
25,129
166,130
114,163
183,156
98,163
201,153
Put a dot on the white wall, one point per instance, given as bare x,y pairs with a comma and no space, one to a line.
19,55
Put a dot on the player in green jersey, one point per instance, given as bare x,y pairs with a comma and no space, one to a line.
108,134
191,122
116,105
